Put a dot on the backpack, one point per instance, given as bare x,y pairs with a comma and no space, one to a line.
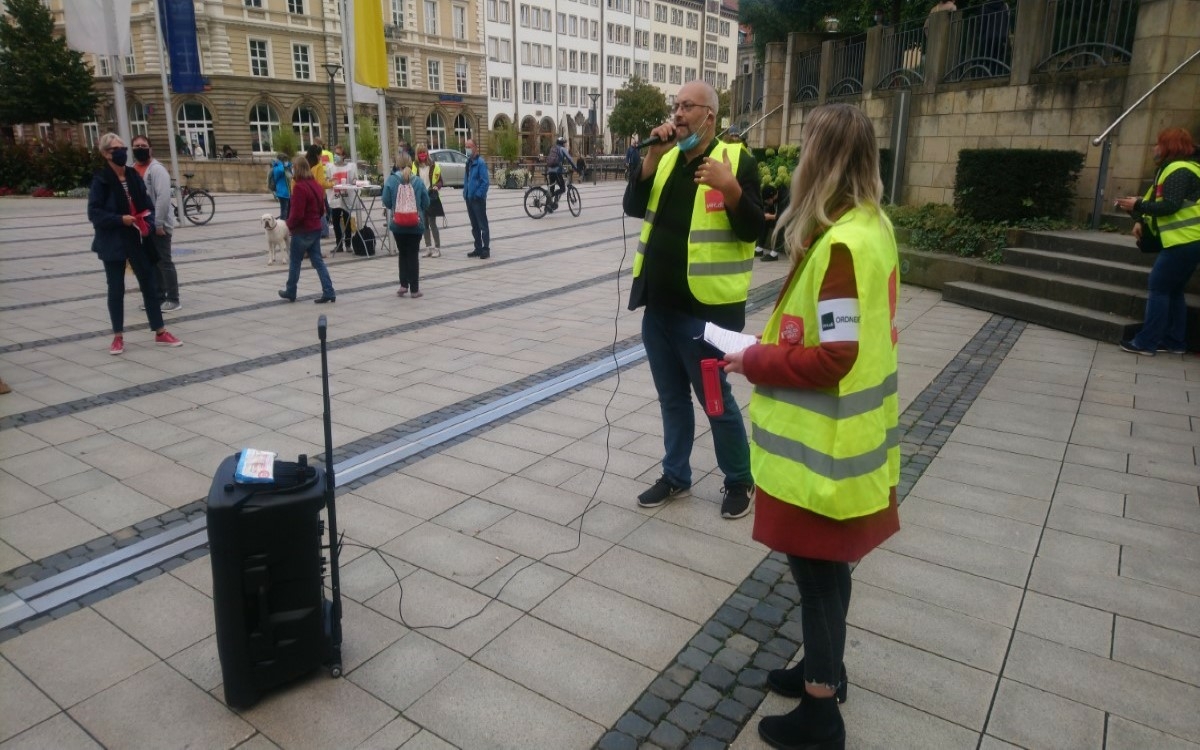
406,214
271,179
554,158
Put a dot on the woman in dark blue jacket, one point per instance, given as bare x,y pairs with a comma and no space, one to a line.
123,216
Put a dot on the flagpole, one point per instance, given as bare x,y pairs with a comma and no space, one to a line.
167,105
119,104
348,54
383,133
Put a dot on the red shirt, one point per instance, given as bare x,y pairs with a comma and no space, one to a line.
789,528
308,206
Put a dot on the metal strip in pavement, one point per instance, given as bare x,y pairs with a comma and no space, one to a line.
57,590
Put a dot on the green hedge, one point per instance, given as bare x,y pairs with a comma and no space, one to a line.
1016,184
58,166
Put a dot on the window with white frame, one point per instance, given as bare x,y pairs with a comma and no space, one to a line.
550,93
506,93
400,68
548,56
693,48
306,125
723,54
676,45
527,91
660,12
462,128
525,46
398,13
573,61
460,77
725,28
660,73
660,42
91,135
573,25
102,66
689,74
525,16
404,129
264,123
562,93
491,10
138,119
431,17
493,48
459,19
583,62
252,3
302,62
676,17
710,25
595,31
574,96
494,88
130,65
710,77
505,50
677,74
693,20
609,98
562,58
722,81
433,74
595,58
260,59
546,20
296,6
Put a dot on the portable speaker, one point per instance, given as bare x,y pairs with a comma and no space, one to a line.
273,621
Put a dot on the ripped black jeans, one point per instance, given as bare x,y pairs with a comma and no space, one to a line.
824,602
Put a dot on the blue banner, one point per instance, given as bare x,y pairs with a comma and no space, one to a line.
179,30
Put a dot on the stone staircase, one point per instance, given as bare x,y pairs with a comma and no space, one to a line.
1089,283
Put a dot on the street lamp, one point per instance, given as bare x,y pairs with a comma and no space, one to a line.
332,69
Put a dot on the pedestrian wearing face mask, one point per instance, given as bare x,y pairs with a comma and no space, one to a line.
341,202
475,188
703,213
405,195
123,215
158,186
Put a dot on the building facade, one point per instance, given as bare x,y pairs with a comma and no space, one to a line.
265,67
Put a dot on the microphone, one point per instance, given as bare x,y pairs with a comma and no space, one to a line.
654,140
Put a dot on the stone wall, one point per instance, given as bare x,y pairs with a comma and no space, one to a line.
1026,109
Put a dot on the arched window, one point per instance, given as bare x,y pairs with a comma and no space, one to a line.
435,127
306,124
462,129
138,119
404,130
264,122
195,125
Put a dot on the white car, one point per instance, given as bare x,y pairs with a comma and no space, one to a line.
453,164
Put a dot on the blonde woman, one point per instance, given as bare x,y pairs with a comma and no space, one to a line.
823,445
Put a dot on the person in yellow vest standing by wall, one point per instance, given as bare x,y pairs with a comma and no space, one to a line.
702,212
1170,211
823,418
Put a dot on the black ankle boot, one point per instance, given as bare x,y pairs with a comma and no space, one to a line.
816,724
790,682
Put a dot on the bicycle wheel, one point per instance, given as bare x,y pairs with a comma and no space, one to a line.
573,201
536,199
199,207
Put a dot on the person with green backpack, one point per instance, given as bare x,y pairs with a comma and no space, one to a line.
279,182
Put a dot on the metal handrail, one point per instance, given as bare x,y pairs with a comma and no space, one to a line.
1102,140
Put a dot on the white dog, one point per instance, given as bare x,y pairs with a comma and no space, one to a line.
278,237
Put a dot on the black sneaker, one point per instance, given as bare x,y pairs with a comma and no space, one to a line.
660,492
768,257
1128,346
737,501
1161,349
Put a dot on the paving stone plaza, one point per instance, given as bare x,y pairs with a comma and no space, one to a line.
1044,591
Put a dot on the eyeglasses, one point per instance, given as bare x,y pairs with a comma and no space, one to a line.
686,107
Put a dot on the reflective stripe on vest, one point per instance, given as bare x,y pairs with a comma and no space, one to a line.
719,264
836,451
1183,226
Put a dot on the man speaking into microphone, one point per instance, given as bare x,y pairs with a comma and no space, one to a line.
702,212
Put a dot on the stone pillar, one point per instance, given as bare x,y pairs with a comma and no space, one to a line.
873,59
1167,33
789,86
774,72
1029,39
937,44
826,71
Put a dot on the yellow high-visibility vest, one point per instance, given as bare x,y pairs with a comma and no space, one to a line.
835,451
1183,226
719,264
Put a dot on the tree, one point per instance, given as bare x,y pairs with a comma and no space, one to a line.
506,143
41,80
640,108
367,140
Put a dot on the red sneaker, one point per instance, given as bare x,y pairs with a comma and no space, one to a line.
118,345
166,339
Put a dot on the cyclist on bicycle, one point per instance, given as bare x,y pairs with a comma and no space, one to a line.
556,161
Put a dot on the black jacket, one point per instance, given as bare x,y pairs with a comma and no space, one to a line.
107,204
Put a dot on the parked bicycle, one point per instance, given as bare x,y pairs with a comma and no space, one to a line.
198,204
538,201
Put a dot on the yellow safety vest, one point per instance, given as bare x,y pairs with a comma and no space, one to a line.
1183,226
835,451
719,264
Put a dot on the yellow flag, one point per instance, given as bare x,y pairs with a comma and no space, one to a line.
370,53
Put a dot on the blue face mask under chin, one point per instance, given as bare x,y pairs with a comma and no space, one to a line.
689,143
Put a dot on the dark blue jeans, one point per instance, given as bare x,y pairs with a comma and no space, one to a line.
114,272
285,205
674,352
1165,325
824,603
477,213
307,243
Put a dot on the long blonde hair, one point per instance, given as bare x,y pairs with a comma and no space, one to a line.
838,169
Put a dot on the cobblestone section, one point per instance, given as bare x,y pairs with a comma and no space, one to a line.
716,683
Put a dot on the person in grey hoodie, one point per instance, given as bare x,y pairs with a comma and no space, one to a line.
158,186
